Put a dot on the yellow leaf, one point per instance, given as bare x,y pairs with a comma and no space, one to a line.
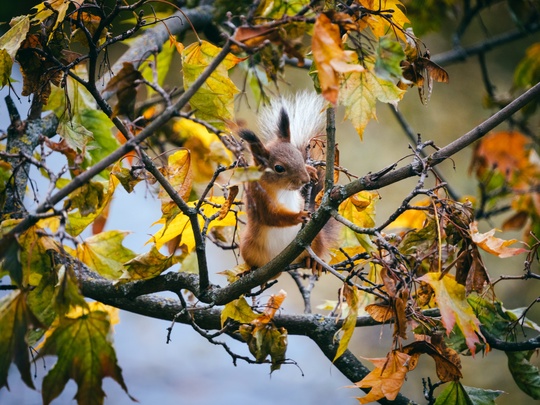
350,293
498,247
239,311
180,225
381,25
105,254
13,38
360,210
205,147
147,265
178,173
79,220
412,219
50,7
214,101
359,93
454,307
387,378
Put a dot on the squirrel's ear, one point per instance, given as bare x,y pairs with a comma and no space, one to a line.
259,152
284,126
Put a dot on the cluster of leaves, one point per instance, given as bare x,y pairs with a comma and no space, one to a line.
362,53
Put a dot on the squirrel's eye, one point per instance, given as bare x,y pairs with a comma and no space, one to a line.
279,169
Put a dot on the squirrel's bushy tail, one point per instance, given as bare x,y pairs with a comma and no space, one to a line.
306,111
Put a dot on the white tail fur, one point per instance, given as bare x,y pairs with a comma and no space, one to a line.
306,115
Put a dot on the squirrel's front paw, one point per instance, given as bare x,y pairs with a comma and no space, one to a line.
304,216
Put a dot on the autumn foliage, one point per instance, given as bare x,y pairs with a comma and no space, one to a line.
126,124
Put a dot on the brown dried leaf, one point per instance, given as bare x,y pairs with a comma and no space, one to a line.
233,192
124,84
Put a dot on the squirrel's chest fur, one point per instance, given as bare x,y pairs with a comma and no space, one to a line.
262,241
277,238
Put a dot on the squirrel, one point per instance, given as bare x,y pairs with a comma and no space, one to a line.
275,203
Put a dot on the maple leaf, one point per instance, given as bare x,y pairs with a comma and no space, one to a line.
179,224
148,265
9,45
412,218
105,254
496,246
350,293
178,173
387,378
508,152
92,205
214,101
239,311
330,58
81,340
205,147
359,93
16,320
49,8
381,25
454,307
360,210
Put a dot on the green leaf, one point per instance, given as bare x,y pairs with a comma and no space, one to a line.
525,374
480,396
12,264
454,394
214,101
239,311
85,354
103,143
359,93
148,265
90,205
125,177
352,299
527,72
16,320
67,294
11,40
6,63
389,57
105,253
75,134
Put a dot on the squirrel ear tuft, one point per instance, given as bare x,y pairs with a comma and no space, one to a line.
258,150
284,126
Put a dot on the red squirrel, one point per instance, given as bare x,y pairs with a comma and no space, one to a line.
274,203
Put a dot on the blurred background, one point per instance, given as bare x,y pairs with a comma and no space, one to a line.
189,370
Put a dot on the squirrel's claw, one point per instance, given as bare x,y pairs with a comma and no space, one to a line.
304,216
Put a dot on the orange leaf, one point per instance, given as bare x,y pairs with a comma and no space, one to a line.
454,307
387,378
508,152
330,57
493,245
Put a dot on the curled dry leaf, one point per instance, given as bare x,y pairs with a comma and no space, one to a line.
387,378
496,246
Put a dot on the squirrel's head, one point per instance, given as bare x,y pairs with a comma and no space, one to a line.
284,165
